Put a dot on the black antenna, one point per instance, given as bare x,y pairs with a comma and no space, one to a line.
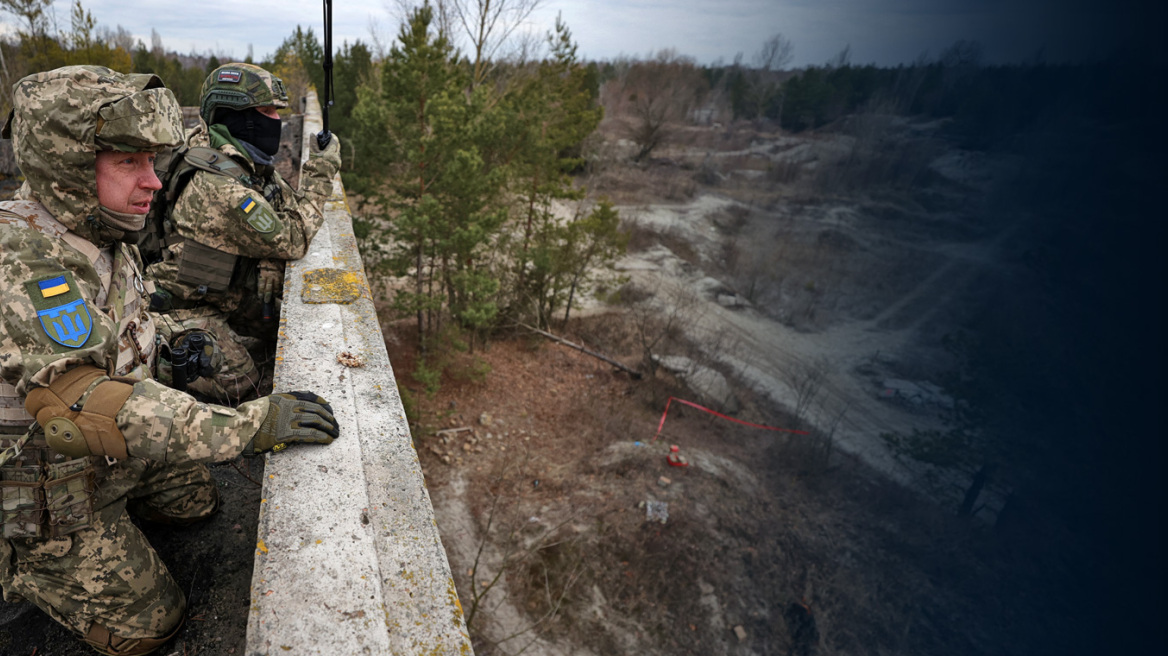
322,139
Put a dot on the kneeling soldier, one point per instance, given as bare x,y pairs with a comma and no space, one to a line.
228,224
78,348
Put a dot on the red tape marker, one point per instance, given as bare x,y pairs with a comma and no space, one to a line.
718,414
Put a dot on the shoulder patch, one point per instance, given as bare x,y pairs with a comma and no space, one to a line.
63,314
258,216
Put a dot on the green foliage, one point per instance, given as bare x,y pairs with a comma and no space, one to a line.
361,229
352,67
441,184
469,174
410,407
185,82
428,376
297,61
38,49
820,94
550,114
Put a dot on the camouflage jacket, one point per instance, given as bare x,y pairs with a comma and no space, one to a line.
259,219
69,303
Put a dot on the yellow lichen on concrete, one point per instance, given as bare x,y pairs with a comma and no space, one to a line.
333,286
452,597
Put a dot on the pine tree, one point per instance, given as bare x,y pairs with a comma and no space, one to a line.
444,216
549,115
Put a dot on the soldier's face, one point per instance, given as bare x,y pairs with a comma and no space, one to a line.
270,111
126,181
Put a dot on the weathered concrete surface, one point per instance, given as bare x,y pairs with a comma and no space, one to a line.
348,556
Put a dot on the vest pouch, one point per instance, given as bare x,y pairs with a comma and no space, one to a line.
22,501
203,266
14,420
164,370
69,492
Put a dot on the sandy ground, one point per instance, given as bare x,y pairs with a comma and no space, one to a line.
872,334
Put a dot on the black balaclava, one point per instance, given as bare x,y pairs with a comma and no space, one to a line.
253,127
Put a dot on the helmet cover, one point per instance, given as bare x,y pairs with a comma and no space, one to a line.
240,86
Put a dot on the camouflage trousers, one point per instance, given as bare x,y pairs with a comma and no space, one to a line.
107,575
236,378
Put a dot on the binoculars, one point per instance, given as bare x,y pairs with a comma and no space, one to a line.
190,358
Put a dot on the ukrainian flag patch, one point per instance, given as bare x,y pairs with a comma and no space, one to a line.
53,287
63,314
248,205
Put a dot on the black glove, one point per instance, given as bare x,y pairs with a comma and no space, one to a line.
294,417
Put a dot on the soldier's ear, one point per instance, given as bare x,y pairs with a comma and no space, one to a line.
7,131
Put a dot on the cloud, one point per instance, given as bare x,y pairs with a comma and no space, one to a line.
885,32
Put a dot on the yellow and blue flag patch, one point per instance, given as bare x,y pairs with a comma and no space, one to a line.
53,287
259,216
63,314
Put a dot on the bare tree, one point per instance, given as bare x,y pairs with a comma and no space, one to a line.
489,26
962,54
509,546
119,37
776,53
156,43
40,21
660,321
489,29
37,14
762,81
658,93
841,59
806,378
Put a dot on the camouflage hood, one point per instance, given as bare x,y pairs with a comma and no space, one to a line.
61,118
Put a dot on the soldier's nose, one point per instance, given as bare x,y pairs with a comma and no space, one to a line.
150,180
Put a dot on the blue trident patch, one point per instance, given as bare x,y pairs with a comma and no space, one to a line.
62,312
68,324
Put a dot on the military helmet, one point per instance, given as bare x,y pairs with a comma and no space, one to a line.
239,86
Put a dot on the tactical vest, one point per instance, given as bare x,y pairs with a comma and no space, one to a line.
199,265
123,297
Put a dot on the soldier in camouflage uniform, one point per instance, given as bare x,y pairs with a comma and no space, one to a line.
77,347
227,234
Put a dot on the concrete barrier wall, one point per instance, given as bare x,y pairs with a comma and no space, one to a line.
348,557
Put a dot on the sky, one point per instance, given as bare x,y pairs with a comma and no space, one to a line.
883,32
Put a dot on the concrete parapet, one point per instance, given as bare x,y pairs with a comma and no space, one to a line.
348,555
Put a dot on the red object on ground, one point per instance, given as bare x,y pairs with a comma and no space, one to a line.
677,460
716,414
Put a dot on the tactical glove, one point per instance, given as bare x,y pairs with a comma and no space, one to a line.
271,279
331,153
294,417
